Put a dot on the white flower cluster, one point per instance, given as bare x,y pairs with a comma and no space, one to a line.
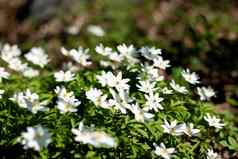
95,138
66,100
151,84
11,55
36,138
30,101
114,58
180,129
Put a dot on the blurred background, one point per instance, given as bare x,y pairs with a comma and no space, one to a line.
199,34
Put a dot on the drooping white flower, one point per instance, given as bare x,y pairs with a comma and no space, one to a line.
192,78
164,152
140,114
97,97
153,102
81,55
9,52
214,121
190,131
30,101
37,56
1,93
161,63
205,93
113,81
30,72
35,137
62,76
212,155
150,53
95,138
3,74
66,100
96,30
173,128
178,88
146,86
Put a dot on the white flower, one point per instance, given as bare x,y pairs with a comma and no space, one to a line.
70,66
205,93
105,63
1,93
66,100
9,52
113,81
98,98
17,65
173,128
146,86
190,131
62,76
103,78
212,155
213,121
118,82
3,74
120,100
128,52
37,56
150,53
81,55
20,99
161,63
153,73
30,101
30,72
115,57
140,115
73,29
153,102
164,152
96,30
192,78
108,52
178,88
35,137
105,51
95,138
